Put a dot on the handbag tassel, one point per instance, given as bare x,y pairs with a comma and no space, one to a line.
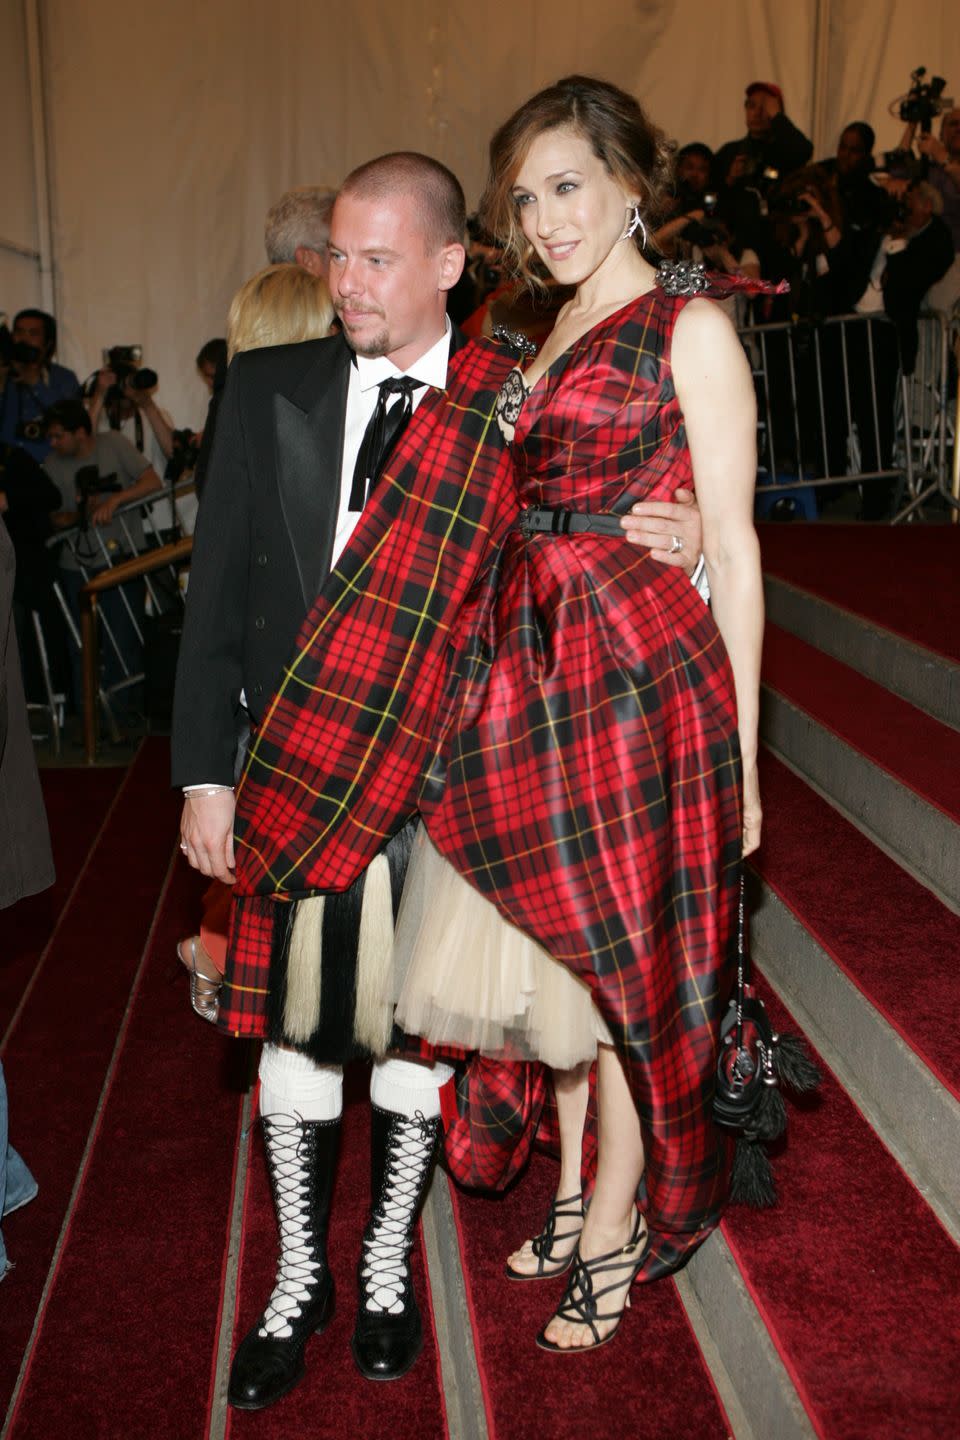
755,1063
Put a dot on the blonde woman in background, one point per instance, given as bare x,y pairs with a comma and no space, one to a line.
280,305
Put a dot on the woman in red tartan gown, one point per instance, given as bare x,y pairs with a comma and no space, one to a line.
588,776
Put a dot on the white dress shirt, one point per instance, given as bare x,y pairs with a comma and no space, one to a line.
365,377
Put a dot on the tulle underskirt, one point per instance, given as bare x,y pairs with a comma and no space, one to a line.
465,976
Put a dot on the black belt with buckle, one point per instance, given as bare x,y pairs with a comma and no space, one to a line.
568,522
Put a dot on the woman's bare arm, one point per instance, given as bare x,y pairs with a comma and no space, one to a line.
716,395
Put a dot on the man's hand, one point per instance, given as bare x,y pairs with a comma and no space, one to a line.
143,399
104,510
105,378
206,834
659,524
771,105
933,149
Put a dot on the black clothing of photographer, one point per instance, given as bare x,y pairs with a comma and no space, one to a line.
28,499
865,207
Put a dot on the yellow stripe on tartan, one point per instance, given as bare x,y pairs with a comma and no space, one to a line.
342,805
246,989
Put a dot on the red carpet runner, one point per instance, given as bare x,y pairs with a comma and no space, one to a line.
130,1322
856,1279
58,1052
903,577
650,1383
920,752
852,898
77,803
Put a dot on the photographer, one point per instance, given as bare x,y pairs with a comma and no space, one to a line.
116,402
942,157
772,148
34,382
100,473
864,206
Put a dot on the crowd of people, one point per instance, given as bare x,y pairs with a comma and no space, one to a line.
489,567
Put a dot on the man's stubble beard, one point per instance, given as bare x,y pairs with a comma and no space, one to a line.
371,349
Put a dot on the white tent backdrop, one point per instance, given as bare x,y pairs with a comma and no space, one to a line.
170,132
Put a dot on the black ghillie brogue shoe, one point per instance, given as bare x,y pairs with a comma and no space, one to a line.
388,1336
301,1155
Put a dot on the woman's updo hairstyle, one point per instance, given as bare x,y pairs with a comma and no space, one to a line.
634,151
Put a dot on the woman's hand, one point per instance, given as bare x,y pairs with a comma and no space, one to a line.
752,813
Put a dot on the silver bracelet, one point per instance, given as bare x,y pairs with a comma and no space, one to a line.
204,790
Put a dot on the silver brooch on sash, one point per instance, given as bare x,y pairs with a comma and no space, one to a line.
680,277
515,339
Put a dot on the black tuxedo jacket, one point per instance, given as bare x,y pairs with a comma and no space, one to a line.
263,542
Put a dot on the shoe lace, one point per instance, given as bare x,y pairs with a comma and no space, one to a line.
290,1156
385,1271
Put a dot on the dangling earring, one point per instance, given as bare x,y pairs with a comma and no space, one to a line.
634,224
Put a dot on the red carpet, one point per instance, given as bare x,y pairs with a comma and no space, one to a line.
903,577
131,1321
853,899
911,746
76,802
334,1399
648,1384
856,1278
57,1055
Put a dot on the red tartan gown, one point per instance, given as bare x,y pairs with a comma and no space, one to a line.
587,775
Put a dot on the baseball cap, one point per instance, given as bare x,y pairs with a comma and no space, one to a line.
768,86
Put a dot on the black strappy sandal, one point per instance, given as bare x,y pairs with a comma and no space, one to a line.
542,1244
579,1303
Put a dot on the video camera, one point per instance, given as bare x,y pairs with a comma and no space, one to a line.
924,100
89,482
708,231
125,362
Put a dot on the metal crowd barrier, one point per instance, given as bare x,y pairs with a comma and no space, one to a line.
141,566
95,562
823,392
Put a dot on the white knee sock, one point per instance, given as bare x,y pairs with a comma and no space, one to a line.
409,1086
293,1084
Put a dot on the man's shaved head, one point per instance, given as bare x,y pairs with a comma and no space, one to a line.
438,192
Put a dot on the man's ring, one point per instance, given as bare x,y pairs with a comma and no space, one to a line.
676,545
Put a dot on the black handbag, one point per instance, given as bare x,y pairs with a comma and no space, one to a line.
753,1064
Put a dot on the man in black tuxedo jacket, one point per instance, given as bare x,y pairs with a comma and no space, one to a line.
294,423
276,511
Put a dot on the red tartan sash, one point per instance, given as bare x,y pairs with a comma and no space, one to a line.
336,765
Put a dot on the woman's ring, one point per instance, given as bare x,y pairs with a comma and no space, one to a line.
676,545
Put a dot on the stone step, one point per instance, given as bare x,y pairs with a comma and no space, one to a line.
888,766
869,961
926,679
829,1312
